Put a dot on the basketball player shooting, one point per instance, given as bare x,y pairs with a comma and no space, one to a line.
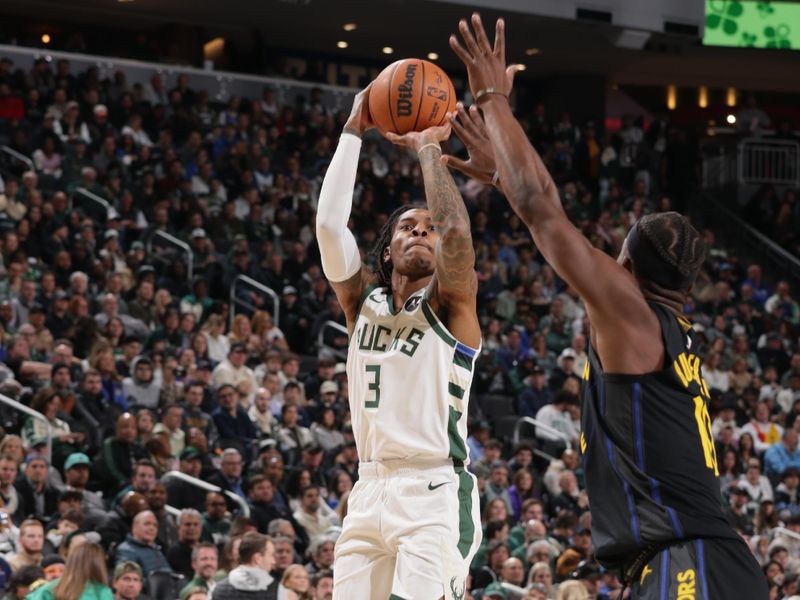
649,459
412,525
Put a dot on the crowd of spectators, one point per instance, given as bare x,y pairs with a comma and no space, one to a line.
140,371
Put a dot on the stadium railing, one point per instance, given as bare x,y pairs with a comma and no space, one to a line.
99,207
209,487
544,427
18,156
220,85
323,345
238,301
768,161
758,244
164,257
36,415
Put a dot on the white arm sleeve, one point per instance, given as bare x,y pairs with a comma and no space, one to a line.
337,246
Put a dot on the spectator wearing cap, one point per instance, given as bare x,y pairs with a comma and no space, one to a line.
235,372
782,455
37,497
325,367
295,319
53,567
29,546
495,591
141,389
76,476
231,419
535,395
565,365
140,545
737,513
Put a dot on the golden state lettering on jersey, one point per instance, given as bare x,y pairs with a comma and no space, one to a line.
686,585
378,338
687,367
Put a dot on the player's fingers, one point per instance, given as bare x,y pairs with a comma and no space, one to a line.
511,72
460,51
459,120
456,163
395,139
480,34
470,130
500,39
476,121
458,129
468,38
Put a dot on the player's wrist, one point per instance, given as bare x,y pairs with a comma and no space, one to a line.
352,130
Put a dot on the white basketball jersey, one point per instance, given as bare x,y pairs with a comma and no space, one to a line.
409,382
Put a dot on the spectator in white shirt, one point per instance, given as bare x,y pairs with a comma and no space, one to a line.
558,416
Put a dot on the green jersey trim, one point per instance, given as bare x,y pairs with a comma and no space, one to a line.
433,321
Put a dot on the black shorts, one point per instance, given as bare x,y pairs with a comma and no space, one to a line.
702,569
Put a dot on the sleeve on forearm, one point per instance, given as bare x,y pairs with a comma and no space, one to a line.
338,249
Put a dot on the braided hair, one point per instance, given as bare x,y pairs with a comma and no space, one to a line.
384,268
666,250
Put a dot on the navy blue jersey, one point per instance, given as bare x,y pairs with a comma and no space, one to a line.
648,452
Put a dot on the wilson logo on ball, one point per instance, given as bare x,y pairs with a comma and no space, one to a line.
410,95
405,92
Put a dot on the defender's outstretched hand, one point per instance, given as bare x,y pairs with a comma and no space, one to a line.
360,120
470,128
416,140
486,65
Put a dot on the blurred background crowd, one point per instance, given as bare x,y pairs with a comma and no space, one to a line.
142,365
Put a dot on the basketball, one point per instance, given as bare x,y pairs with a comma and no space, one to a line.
411,95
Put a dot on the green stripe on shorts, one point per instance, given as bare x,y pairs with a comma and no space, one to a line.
466,527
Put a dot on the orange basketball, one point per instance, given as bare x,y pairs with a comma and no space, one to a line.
411,95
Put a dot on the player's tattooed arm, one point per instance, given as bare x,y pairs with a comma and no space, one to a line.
455,255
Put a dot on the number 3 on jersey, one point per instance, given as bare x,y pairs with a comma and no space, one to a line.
373,386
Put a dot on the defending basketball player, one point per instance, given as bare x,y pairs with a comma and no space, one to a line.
412,525
651,469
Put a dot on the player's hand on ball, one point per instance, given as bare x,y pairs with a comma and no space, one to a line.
486,65
359,120
470,128
417,139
